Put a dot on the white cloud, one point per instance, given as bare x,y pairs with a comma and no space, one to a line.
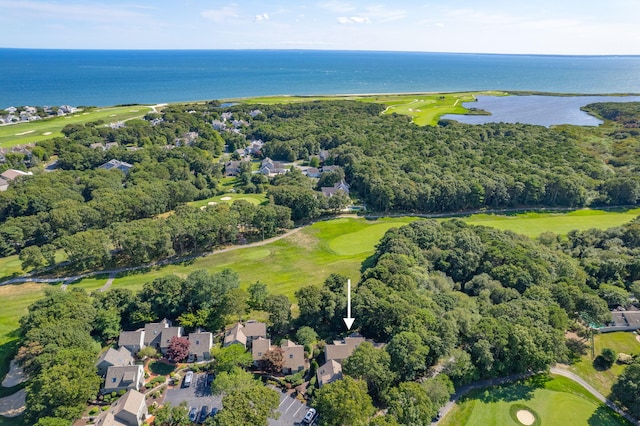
338,6
353,20
261,17
219,15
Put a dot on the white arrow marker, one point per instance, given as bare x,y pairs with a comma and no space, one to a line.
348,321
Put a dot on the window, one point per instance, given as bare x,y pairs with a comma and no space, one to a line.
197,342
290,356
113,380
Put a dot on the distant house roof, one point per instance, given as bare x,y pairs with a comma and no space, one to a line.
11,174
200,343
254,329
153,331
232,168
4,185
118,165
235,335
342,349
244,334
131,338
313,172
110,145
129,410
330,191
326,169
114,357
123,377
329,372
260,347
168,334
97,145
293,355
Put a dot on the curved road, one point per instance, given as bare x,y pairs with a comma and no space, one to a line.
554,370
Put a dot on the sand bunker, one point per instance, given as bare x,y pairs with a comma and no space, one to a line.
46,133
25,133
525,417
225,198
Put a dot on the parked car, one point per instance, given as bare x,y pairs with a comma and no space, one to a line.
309,417
204,413
213,412
193,414
210,378
188,378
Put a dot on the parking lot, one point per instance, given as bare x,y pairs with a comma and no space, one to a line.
291,410
197,395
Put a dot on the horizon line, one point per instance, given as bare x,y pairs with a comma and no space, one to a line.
317,50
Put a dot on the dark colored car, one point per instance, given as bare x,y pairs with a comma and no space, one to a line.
204,413
193,414
213,412
210,378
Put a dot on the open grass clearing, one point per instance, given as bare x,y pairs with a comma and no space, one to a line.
554,400
423,108
35,131
621,342
534,224
255,199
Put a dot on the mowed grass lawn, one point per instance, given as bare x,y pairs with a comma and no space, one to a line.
425,109
534,224
24,133
621,342
255,199
557,401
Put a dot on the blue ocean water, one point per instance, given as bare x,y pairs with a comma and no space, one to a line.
99,77
539,110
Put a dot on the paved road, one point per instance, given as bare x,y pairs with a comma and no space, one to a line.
291,410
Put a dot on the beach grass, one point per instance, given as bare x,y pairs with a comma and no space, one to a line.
35,131
555,401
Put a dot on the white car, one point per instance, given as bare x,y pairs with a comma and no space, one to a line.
309,417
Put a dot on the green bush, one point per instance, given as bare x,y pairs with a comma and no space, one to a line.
93,411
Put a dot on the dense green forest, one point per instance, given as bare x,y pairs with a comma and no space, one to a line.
470,301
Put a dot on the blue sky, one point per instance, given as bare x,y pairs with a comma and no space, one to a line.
478,26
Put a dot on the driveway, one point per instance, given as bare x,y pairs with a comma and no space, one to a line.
197,395
291,410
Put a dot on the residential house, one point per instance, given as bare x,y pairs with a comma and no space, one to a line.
329,372
342,349
128,410
117,125
293,355
232,168
254,113
324,155
260,347
132,340
11,110
226,116
12,174
110,145
235,335
117,165
270,167
313,172
114,357
200,344
67,109
326,169
255,147
245,334
4,185
330,191
218,125
123,377
97,145
159,334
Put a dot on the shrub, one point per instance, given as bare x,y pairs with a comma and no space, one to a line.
93,411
